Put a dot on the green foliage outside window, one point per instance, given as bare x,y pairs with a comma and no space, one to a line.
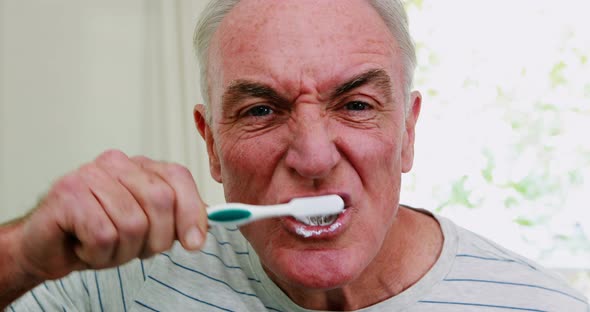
505,123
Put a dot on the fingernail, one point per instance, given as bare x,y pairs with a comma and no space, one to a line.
193,238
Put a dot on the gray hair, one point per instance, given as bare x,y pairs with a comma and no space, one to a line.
392,12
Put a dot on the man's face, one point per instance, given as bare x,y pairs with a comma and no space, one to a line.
307,100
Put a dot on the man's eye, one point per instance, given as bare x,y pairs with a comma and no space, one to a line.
357,106
259,111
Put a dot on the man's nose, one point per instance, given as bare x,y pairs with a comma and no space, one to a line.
312,151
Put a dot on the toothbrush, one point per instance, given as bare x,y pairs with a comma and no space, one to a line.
238,214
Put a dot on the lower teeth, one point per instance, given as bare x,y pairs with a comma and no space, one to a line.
319,220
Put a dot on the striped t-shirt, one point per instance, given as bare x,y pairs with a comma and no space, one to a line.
472,274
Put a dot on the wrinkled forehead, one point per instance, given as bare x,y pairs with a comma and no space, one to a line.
316,39
302,19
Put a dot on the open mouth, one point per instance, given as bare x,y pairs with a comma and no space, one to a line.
324,220
321,226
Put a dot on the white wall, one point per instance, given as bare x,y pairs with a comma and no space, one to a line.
79,77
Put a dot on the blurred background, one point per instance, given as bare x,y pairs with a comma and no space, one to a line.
502,141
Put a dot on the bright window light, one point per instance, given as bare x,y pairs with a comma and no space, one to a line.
503,144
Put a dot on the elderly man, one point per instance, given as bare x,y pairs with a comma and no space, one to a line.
304,98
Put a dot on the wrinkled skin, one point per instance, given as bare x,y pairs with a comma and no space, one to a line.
107,212
305,140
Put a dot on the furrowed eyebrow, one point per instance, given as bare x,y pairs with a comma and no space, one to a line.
374,76
241,89
244,89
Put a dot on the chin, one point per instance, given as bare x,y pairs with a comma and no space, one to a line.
314,269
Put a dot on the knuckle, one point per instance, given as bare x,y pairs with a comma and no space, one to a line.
69,183
112,156
162,196
140,159
64,199
105,237
134,227
177,170
91,171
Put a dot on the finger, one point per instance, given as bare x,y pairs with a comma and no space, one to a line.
120,205
41,233
83,217
189,209
154,196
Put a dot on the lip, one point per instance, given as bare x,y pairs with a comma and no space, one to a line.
316,232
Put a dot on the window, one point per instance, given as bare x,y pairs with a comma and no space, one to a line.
502,144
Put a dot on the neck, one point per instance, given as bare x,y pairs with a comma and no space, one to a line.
410,249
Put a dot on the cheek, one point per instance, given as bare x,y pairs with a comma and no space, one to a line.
376,160
247,167
261,233
374,156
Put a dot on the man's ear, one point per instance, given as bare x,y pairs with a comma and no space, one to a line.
410,133
202,125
